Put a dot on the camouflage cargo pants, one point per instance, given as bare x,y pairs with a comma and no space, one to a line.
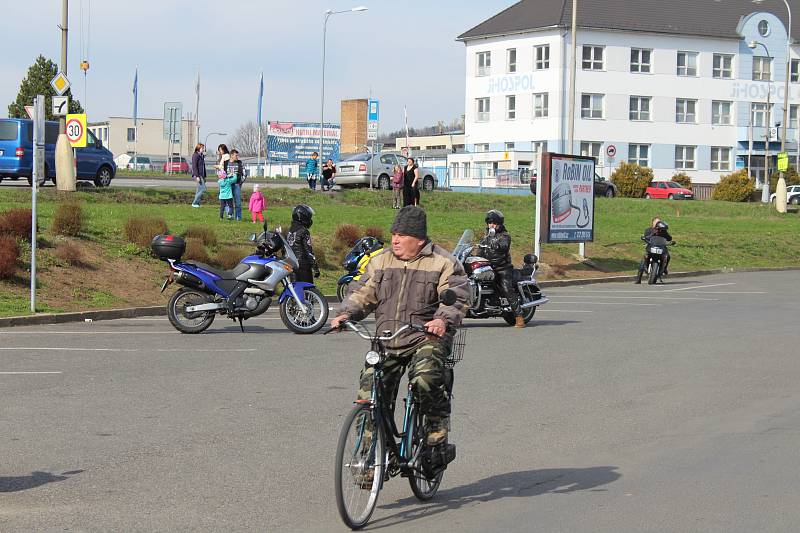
432,382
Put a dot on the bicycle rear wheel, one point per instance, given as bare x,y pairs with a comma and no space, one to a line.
359,467
423,487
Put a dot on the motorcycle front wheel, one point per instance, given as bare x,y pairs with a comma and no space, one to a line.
189,322
341,291
654,269
310,320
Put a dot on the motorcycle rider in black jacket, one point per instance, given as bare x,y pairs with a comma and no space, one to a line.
658,228
496,247
299,238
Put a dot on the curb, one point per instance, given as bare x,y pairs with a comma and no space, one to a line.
133,312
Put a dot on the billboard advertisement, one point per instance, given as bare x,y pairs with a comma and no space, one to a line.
295,141
567,203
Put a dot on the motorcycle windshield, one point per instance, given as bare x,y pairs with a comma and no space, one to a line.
465,244
289,256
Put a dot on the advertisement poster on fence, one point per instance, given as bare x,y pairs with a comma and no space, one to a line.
567,203
295,141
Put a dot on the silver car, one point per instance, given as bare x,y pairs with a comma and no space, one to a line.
357,169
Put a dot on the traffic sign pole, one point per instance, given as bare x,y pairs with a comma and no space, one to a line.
36,176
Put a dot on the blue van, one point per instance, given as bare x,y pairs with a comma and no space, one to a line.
94,163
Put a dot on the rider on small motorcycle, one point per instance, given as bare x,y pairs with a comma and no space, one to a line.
496,247
658,228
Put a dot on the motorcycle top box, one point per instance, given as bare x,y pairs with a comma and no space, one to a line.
168,247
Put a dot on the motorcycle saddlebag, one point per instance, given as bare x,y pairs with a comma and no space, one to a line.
168,247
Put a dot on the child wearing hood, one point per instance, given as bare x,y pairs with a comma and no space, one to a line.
257,204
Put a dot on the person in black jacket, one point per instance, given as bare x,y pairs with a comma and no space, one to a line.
496,247
658,228
299,238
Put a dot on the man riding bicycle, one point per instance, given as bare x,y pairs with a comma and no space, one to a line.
402,284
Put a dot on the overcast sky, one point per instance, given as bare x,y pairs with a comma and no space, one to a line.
405,53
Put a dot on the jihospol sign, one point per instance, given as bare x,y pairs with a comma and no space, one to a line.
567,203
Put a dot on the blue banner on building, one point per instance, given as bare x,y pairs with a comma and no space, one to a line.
296,141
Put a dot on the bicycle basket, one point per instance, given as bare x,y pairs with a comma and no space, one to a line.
457,351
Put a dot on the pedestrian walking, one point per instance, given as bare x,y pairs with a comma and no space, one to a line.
328,175
312,171
225,194
410,180
233,167
397,187
257,204
199,172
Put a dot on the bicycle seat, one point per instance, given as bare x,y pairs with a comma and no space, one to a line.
237,271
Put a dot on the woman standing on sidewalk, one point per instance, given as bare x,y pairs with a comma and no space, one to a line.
199,172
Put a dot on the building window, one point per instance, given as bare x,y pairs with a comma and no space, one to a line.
484,63
794,75
640,60
510,147
591,149
484,147
720,112
758,114
723,66
540,105
720,158
591,106
539,146
511,57
592,58
762,70
687,63
511,107
542,58
640,108
482,106
685,111
684,157
131,135
793,115
639,154
763,28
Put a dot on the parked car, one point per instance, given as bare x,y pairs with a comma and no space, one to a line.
603,187
792,195
177,165
669,190
357,170
140,162
93,163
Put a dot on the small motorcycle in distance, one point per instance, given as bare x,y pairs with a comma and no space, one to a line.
484,299
250,286
355,263
654,260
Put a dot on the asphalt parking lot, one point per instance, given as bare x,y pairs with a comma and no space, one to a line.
623,408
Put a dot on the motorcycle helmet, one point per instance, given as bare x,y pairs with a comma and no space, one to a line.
495,216
303,214
661,226
370,244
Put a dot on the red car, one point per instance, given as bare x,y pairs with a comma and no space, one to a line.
669,190
177,166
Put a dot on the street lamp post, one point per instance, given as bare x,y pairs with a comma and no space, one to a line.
213,133
328,14
765,189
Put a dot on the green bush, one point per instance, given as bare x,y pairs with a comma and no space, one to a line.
68,219
735,187
203,233
141,230
631,179
791,176
683,180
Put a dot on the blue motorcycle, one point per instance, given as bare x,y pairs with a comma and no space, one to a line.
244,292
355,263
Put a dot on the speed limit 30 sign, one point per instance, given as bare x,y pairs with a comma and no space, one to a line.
76,130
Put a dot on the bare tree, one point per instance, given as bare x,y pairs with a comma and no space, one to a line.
246,139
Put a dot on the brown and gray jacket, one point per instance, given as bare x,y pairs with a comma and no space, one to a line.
395,289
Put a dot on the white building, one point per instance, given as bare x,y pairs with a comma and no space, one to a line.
670,85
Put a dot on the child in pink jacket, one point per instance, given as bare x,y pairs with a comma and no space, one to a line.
257,204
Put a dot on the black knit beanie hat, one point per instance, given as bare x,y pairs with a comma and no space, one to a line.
411,220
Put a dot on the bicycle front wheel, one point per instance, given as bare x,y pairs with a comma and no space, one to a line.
359,467
423,486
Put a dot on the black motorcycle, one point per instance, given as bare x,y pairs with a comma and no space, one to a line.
655,259
484,298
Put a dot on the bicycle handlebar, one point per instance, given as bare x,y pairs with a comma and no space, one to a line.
364,333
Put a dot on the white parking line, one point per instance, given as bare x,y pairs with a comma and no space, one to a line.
643,298
562,311
60,349
126,350
699,287
631,304
26,373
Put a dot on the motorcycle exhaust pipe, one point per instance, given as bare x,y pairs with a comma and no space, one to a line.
189,280
535,303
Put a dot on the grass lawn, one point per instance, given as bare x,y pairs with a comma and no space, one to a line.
709,234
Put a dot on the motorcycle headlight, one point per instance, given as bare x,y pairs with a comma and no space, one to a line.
372,358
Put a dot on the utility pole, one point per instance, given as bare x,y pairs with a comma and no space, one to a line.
65,163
